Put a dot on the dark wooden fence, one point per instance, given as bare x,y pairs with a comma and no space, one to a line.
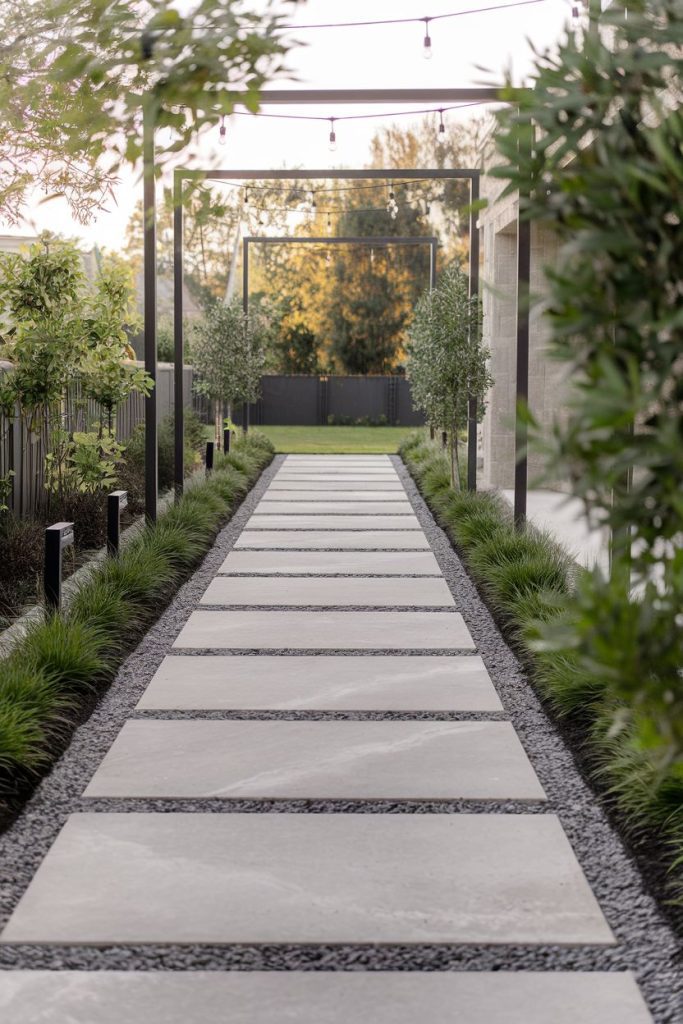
303,400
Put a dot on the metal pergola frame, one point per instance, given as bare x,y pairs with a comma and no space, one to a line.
383,241
329,97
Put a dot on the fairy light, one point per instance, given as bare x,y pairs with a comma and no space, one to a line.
441,134
392,205
222,132
332,144
427,41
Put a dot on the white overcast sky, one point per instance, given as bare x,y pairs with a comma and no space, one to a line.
384,56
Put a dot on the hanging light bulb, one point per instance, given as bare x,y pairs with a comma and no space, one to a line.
333,137
329,222
427,41
392,205
222,132
246,200
328,258
441,134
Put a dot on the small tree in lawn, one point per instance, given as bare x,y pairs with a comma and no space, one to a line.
446,358
228,355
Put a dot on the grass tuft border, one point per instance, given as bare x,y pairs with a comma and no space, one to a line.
56,673
527,579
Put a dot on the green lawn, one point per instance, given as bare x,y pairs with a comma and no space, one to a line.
347,440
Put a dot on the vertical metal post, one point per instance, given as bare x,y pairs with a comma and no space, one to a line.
474,292
150,302
209,455
57,537
226,440
178,341
432,264
245,307
522,386
116,502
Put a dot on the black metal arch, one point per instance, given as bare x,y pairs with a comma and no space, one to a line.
329,98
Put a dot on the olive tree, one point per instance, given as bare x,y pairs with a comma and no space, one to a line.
447,361
228,354
605,172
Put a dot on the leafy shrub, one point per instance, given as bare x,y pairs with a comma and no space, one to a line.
21,561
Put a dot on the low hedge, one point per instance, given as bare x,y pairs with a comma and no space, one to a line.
52,677
526,580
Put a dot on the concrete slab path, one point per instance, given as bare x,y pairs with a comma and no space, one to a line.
320,762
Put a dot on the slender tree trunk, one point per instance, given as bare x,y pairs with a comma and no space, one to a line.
217,419
455,459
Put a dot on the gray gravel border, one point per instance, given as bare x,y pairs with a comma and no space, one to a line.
645,943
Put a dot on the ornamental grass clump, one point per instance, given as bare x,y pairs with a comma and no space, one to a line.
62,662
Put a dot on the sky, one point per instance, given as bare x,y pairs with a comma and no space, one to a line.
471,50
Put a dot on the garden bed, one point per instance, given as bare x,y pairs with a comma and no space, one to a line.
55,674
527,579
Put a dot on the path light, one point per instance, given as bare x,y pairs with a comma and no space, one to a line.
427,42
116,502
57,537
209,456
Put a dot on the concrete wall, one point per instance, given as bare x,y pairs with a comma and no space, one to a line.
547,392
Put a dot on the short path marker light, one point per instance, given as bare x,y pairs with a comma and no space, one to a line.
57,537
226,439
116,502
208,461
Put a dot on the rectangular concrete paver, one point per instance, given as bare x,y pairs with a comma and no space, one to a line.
349,508
354,539
332,522
322,682
335,483
356,563
333,494
359,592
388,760
390,477
261,630
320,997
264,878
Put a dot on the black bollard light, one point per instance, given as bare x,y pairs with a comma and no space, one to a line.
209,456
116,502
226,440
57,537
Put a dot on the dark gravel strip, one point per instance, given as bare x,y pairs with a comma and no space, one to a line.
273,805
311,715
646,945
204,652
326,608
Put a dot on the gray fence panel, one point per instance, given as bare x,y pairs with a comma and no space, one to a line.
406,415
358,398
289,400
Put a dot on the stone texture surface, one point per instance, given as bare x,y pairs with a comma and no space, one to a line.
323,592
332,522
409,540
355,563
309,878
319,997
319,483
332,494
335,760
274,630
322,682
349,508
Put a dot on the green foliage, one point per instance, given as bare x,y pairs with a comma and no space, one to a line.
605,173
43,683
73,74
228,353
535,591
298,350
446,357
